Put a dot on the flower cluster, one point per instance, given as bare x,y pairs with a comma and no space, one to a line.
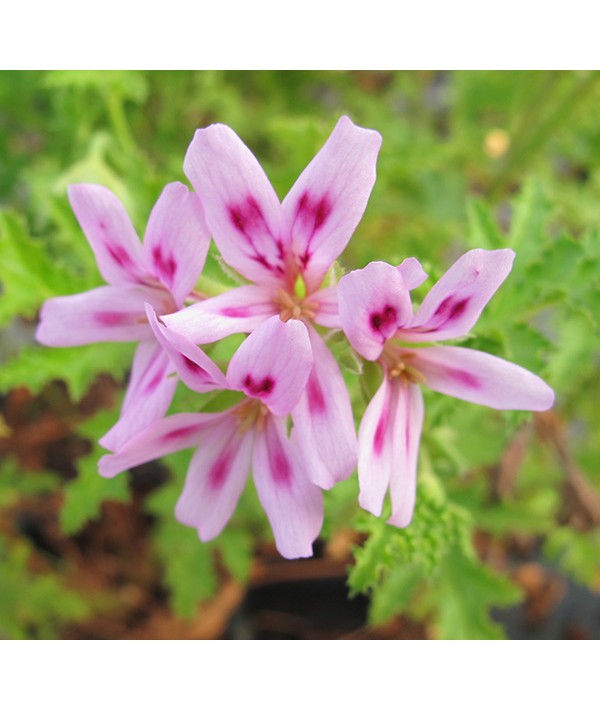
293,426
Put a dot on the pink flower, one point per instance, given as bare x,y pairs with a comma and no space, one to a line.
377,316
162,272
286,249
271,368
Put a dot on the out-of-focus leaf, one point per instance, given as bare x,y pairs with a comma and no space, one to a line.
189,564
465,591
436,527
395,592
236,546
28,275
35,366
85,494
130,84
577,553
483,229
34,605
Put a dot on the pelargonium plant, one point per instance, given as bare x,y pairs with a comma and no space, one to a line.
293,427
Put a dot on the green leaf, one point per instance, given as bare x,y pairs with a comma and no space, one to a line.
465,591
15,483
372,560
577,552
34,605
130,84
436,527
94,167
85,494
29,275
395,592
236,548
573,357
189,564
527,347
483,230
78,367
528,234
530,515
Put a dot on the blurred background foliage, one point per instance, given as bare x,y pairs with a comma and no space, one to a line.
506,525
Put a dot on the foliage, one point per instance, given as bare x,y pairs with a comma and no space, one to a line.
85,494
191,575
33,605
471,159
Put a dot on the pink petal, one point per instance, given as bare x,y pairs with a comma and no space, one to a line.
149,394
482,378
216,478
388,449
193,366
109,313
273,364
176,240
293,504
408,425
454,304
327,201
160,438
412,273
374,303
240,310
110,233
376,448
323,421
327,307
241,207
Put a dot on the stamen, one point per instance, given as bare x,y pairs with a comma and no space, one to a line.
251,413
397,366
293,306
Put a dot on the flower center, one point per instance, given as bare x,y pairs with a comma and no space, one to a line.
163,304
251,412
397,364
406,372
294,306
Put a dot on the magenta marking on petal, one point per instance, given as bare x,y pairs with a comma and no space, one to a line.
117,252
192,366
303,204
468,380
322,212
311,213
379,439
246,217
179,433
281,470
450,308
219,470
280,248
248,220
316,400
315,211
380,321
113,318
305,259
257,389
265,263
155,382
166,266
235,311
